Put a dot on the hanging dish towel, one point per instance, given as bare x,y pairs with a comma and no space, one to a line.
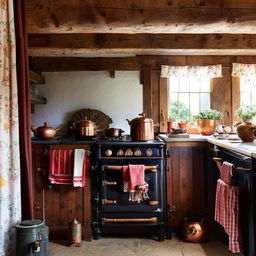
68,166
134,182
81,163
227,207
61,166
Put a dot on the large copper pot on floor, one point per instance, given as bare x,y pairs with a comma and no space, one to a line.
195,230
142,128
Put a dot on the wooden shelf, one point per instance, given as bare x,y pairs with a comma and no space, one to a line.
35,78
36,99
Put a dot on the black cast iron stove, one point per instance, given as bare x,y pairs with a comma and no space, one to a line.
114,213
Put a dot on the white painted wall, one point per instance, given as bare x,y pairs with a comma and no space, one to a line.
67,92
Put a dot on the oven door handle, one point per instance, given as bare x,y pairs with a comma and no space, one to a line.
152,168
145,220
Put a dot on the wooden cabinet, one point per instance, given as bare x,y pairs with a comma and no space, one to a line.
185,181
59,204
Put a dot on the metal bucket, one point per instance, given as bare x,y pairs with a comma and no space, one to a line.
32,238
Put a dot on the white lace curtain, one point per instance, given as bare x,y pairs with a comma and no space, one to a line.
244,70
10,199
197,72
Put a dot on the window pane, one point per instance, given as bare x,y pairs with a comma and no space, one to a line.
205,101
205,85
173,96
194,85
184,85
253,97
245,98
173,84
244,84
194,103
184,98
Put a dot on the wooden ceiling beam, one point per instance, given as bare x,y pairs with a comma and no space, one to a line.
62,64
140,16
141,44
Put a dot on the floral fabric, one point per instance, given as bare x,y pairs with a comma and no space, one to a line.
244,70
10,199
191,71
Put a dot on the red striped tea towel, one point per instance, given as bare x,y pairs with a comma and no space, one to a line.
61,166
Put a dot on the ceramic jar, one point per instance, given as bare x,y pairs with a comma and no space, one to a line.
245,130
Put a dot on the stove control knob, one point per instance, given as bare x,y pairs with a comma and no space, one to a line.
108,152
137,152
128,152
149,152
120,152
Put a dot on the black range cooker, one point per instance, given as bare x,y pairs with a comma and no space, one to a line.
113,211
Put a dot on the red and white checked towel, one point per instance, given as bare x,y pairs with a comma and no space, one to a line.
227,209
134,182
226,172
64,169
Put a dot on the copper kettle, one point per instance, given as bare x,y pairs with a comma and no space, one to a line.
195,230
45,131
142,128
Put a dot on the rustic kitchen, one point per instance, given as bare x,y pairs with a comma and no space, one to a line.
128,128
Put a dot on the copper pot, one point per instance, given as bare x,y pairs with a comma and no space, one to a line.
86,128
206,126
195,230
142,128
246,131
44,132
113,132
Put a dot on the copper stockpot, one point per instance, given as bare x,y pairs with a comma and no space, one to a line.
142,128
86,128
44,132
195,230
113,132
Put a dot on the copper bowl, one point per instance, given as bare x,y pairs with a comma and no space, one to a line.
206,126
113,132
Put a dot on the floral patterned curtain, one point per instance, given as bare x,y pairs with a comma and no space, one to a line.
244,70
198,72
10,199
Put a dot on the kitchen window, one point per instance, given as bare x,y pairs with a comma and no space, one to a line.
247,90
188,96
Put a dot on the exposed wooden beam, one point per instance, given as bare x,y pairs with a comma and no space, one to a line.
62,64
141,44
140,16
36,78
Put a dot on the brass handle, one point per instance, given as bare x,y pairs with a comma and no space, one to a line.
152,168
109,183
149,220
217,159
163,115
105,201
153,202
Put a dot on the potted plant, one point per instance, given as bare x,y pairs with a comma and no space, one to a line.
206,120
179,112
246,129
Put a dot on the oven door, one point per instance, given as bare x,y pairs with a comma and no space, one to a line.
114,199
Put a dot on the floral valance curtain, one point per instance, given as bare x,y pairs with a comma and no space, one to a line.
191,71
244,70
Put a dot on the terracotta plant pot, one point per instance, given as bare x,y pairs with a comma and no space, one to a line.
171,125
206,126
245,131
183,125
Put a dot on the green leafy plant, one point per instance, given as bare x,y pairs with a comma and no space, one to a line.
208,114
178,111
246,111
